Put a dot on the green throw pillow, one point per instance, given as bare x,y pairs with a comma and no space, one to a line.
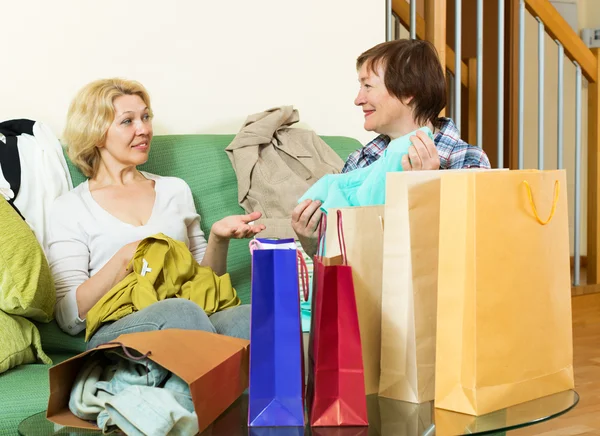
20,342
26,285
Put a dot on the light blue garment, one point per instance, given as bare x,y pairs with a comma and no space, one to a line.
363,186
129,372
305,310
139,397
86,401
372,190
138,402
337,190
146,411
305,305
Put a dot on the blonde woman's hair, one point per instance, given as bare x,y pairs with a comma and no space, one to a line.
90,115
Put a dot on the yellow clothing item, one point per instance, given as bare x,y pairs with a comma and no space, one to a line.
162,268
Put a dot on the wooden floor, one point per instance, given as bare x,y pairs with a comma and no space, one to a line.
583,288
585,418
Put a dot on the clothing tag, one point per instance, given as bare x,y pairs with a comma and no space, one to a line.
2,138
7,193
145,268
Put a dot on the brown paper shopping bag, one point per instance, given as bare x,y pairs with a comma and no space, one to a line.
214,366
504,332
409,286
363,232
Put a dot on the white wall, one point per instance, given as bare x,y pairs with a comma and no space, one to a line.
589,13
206,64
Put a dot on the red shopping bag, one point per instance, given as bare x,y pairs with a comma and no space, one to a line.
336,380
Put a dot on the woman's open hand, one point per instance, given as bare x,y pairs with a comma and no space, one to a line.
237,227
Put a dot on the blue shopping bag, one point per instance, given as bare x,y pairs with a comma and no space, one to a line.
276,392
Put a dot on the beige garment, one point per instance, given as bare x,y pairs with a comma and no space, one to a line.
276,164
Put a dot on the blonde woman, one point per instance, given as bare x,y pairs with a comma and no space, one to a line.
96,227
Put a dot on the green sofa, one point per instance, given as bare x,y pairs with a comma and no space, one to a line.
201,161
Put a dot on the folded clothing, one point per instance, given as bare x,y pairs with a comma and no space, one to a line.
134,394
363,186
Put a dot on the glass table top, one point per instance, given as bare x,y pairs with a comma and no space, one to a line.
386,418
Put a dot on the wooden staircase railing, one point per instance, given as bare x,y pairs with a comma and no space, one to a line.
402,10
433,29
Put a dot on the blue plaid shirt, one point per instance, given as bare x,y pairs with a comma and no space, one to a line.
454,152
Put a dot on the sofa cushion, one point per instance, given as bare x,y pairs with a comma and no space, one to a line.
26,285
25,391
55,341
19,342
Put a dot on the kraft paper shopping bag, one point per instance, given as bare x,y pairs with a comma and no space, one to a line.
504,326
214,366
409,286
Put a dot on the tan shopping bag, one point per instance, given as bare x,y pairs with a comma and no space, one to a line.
409,286
363,232
504,332
214,366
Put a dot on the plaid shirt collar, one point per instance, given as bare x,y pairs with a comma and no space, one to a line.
452,150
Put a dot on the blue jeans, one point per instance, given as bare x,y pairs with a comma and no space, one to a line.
177,313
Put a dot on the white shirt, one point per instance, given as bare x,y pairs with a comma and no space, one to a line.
83,237
44,177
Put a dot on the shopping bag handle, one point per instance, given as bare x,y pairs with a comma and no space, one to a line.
303,275
534,208
253,245
321,238
132,357
341,239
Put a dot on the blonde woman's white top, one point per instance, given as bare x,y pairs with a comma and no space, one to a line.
83,237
